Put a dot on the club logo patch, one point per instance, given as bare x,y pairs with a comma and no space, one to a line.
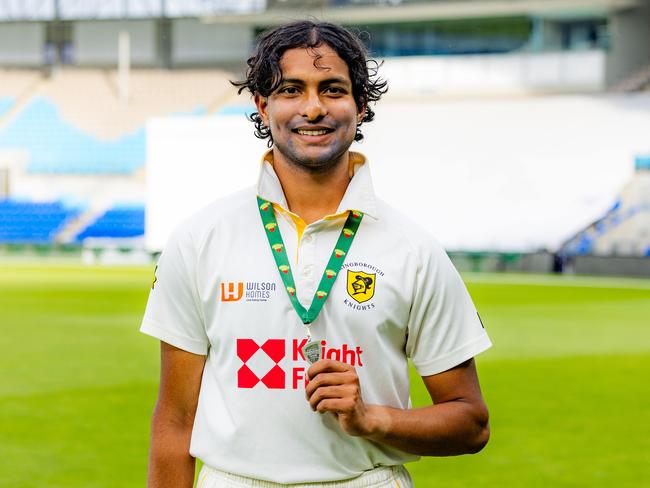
361,286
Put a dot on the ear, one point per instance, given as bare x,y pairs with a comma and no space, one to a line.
361,114
261,103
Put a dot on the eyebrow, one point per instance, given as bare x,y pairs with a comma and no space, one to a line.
327,81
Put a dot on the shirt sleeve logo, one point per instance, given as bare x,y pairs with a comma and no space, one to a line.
155,278
361,286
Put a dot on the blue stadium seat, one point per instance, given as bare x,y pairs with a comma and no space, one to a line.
119,222
32,223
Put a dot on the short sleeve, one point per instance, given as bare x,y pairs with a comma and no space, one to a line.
444,328
173,312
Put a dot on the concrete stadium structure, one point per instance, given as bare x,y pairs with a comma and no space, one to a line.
174,33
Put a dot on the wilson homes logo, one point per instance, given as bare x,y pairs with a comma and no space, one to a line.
249,291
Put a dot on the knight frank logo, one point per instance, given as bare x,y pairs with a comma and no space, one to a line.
261,363
274,349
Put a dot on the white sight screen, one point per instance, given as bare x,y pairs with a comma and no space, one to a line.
499,174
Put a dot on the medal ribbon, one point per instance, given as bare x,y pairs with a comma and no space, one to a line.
284,268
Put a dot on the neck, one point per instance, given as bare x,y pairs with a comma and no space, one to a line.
312,196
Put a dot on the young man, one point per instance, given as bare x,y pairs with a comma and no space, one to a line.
287,312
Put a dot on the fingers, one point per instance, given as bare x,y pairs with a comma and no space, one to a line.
348,377
327,366
333,387
337,406
340,398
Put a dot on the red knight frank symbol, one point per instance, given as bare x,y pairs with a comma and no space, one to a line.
274,349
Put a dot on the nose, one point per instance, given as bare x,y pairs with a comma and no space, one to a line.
313,109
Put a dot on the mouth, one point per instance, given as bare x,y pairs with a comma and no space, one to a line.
313,132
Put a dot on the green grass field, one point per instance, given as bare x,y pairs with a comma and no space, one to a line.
566,383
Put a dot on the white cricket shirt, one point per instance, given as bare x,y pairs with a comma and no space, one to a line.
218,292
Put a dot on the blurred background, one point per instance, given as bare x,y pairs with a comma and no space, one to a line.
525,122
517,132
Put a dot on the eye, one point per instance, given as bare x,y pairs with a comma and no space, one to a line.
288,90
335,90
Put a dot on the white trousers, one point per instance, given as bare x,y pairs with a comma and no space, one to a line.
383,477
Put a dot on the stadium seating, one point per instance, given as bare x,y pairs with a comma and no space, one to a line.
63,148
623,229
16,82
119,222
65,134
32,223
5,105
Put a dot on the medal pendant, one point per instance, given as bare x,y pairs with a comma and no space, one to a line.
311,351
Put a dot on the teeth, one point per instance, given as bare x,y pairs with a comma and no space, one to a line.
311,132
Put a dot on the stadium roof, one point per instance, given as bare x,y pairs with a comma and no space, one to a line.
400,11
14,10
269,12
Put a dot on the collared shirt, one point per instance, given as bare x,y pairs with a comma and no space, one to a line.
218,292
312,245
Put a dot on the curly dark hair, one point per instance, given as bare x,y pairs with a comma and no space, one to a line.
264,76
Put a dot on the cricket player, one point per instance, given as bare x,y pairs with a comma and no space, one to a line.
287,312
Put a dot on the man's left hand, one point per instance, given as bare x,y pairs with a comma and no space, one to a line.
334,387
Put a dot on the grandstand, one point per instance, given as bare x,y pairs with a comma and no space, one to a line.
81,83
90,144
28,222
118,222
625,228
104,136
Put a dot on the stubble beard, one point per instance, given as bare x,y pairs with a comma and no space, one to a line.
325,162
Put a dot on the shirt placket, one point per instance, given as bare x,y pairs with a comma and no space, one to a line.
306,266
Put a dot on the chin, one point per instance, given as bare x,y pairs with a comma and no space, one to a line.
315,161
316,165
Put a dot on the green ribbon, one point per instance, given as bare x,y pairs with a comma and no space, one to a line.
332,269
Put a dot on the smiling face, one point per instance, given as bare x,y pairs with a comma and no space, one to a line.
312,115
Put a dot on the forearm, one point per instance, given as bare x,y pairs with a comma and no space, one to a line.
445,429
170,463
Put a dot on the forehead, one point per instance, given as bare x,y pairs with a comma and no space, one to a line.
318,62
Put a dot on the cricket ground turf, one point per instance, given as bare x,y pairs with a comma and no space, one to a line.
566,381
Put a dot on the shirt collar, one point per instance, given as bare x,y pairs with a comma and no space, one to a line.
359,195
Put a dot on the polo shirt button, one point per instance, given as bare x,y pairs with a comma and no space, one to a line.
306,271
308,239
